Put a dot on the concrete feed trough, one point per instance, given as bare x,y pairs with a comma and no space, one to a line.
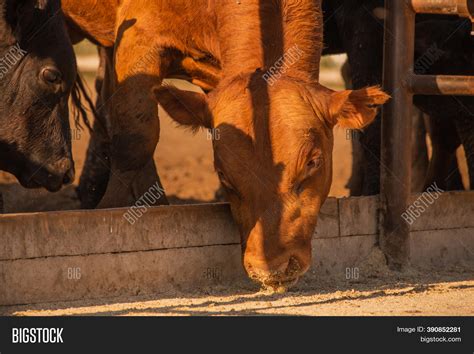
63,256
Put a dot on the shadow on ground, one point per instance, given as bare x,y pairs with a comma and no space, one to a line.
310,296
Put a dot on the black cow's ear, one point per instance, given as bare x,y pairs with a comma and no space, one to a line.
42,4
7,11
16,10
17,18
187,108
22,18
8,21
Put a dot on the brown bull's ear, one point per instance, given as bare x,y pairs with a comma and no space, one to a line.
355,109
187,108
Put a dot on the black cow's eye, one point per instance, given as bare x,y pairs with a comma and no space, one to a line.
51,75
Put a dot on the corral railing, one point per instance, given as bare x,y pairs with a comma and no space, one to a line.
402,83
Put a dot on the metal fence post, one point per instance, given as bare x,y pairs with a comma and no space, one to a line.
396,136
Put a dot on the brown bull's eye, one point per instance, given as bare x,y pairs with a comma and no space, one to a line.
51,75
314,163
222,178
224,181
312,167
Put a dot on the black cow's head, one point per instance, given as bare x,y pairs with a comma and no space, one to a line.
37,73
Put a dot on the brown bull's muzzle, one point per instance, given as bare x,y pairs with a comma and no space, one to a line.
280,273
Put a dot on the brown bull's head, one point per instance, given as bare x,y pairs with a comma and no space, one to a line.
273,155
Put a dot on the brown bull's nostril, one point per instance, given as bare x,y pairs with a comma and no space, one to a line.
277,277
293,268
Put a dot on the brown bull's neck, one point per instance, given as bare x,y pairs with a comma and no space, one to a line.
92,19
242,35
268,33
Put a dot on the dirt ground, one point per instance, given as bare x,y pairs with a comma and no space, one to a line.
377,291
437,294
186,168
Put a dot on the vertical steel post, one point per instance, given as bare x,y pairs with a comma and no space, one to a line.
399,51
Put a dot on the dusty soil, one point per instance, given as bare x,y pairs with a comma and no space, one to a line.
450,293
377,292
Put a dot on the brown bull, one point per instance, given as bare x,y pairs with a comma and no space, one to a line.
259,60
